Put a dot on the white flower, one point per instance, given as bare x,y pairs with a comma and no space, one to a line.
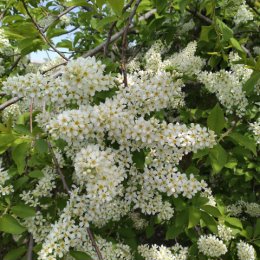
211,246
245,251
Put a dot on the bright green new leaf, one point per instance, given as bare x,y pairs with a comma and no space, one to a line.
15,254
251,82
78,255
235,222
209,221
227,32
19,154
216,120
23,211
236,44
9,224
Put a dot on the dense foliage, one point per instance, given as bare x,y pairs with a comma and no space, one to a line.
141,140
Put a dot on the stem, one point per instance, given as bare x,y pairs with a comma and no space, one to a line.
30,248
9,102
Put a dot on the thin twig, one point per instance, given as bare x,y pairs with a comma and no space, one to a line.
45,39
94,244
15,64
200,16
124,40
9,102
59,16
30,248
56,163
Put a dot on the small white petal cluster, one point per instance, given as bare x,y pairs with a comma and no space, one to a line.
38,226
96,169
225,233
243,14
228,89
42,189
207,193
139,223
250,208
186,61
255,128
245,251
11,113
211,246
4,177
80,80
156,252
5,46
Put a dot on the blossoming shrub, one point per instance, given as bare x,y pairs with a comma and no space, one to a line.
155,159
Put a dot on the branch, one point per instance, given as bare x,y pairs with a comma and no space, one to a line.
117,35
9,102
124,40
94,244
200,16
30,248
45,39
57,166
58,17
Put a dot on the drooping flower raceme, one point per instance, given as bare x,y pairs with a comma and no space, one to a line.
245,251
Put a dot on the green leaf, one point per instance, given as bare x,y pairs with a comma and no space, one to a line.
194,217
78,255
36,174
173,231
19,154
251,82
100,3
218,158
216,120
78,3
209,221
235,222
204,35
23,211
244,141
227,32
257,228
211,210
117,6
6,140
236,45
41,146
15,254
9,224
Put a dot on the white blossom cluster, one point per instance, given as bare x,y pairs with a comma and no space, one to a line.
42,189
245,251
5,46
250,208
155,252
80,80
139,223
11,113
225,233
5,189
211,246
38,226
243,14
66,233
255,128
228,85
96,170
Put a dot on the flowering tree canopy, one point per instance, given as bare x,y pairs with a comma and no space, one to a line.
139,140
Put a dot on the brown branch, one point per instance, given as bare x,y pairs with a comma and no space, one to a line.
94,244
9,102
57,166
200,16
30,248
45,39
124,40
